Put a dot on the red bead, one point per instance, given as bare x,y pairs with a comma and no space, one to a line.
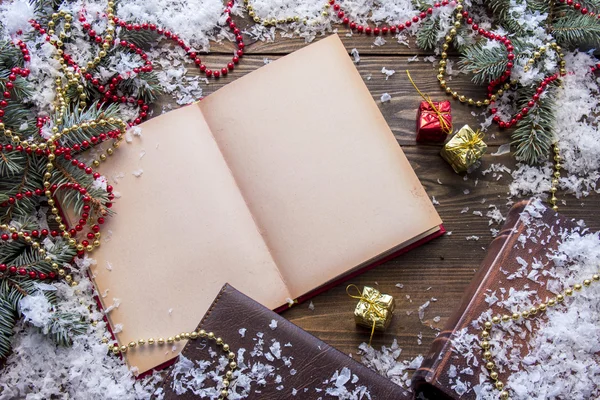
224,71
524,111
509,65
230,66
52,275
240,52
584,11
346,20
6,95
3,267
384,30
530,103
475,27
12,77
42,276
340,14
400,27
368,30
502,124
393,29
32,274
577,6
22,271
4,236
376,31
415,19
12,269
353,25
360,28
429,10
408,24
511,56
570,2
216,74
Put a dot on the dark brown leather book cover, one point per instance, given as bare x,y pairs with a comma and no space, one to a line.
436,377
276,360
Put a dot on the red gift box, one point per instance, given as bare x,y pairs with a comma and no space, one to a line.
434,121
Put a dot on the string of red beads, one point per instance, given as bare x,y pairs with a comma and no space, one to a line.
25,272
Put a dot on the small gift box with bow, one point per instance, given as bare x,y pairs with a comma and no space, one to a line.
374,309
434,121
464,149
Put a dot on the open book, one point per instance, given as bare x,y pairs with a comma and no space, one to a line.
280,183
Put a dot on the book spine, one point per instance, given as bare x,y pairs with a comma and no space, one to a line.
426,378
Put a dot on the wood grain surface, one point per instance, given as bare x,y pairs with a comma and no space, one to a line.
439,271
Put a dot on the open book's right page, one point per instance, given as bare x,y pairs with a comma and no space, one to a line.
320,170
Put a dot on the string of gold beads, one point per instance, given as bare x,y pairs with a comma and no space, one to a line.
267,21
458,17
497,320
541,51
555,176
197,334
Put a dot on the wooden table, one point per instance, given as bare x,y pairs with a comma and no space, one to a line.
443,268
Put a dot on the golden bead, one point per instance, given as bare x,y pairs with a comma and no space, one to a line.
224,393
123,349
577,287
109,151
459,8
525,314
443,83
116,350
444,55
499,92
68,278
141,342
74,283
471,102
494,375
448,90
455,95
105,340
487,355
170,340
551,303
569,292
61,272
160,341
504,395
210,335
587,282
506,86
185,335
505,318
231,355
229,374
487,325
225,347
542,307
533,311
151,341
457,25
495,320
177,338
219,341
440,77
458,16
194,335
490,365
596,277
560,298
96,243
448,38
132,344
89,247
233,365
485,335
486,102
499,385
225,383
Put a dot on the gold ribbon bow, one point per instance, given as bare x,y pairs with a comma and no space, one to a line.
374,308
446,127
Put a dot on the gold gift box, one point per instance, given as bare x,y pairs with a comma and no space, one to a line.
464,149
374,309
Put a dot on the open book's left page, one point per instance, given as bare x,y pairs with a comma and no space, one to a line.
182,230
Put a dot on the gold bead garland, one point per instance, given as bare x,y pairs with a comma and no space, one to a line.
555,177
530,313
198,334
267,21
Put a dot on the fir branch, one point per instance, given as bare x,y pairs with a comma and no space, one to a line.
534,134
10,56
91,113
487,64
146,85
19,119
427,36
577,30
143,38
11,163
8,319
64,326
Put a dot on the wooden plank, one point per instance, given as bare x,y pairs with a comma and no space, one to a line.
401,111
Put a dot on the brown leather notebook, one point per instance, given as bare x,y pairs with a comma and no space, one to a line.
501,270
275,358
